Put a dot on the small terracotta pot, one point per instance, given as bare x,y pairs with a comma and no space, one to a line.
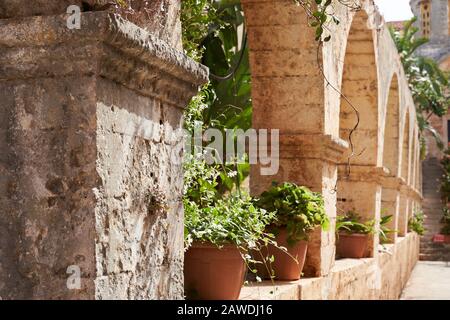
352,245
211,273
285,267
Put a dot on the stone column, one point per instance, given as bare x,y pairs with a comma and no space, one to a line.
289,95
91,177
403,213
390,203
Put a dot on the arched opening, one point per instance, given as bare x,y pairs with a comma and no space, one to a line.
360,87
390,196
392,130
405,203
360,90
405,149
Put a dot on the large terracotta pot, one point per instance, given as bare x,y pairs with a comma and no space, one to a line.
352,245
285,267
211,273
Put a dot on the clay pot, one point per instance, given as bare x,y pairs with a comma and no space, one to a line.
352,245
211,273
285,267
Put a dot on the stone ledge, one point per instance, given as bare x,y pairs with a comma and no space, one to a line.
343,274
311,146
380,175
107,46
292,290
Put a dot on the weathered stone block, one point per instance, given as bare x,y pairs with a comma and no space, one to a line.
91,120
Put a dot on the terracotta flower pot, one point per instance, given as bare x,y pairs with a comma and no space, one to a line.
211,273
285,267
352,245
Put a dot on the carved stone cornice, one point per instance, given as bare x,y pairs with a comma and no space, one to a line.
359,173
411,192
379,175
312,146
107,46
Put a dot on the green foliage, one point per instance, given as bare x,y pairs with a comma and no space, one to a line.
196,17
223,219
352,223
384,229
233,219
446,221
226,55
428,84
200,180
445,180
322,12
415,223
297,208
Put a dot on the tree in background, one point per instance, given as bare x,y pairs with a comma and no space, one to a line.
428,83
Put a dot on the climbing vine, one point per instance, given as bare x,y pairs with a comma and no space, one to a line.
322,12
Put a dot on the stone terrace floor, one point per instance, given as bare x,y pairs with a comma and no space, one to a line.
430,280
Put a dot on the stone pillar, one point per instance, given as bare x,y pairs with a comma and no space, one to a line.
403,214
390,206
91,176
288,94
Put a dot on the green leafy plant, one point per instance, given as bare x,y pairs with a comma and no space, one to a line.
297,208
351,223
322,12
384,229
445,180
223,219
446,221
231,220
415,223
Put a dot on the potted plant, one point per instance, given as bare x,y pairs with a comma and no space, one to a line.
352,235
298,211
415,223
446,228
219,232
219,237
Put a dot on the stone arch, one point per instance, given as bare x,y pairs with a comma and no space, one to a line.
360,87
391,135
360,90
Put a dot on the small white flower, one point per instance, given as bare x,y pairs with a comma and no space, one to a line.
232,174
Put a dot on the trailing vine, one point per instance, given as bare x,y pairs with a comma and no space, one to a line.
321,12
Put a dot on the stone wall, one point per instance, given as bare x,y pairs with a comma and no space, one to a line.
371,168
91,172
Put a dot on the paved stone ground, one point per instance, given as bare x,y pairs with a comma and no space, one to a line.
430,280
